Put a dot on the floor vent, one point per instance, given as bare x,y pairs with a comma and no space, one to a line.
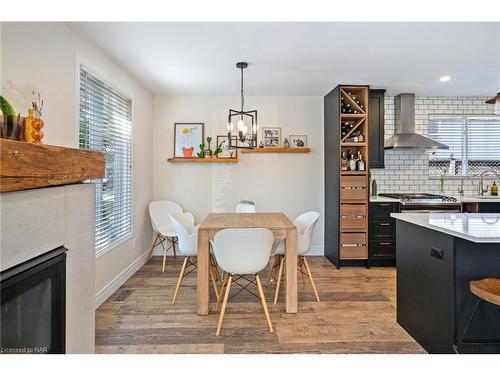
122,297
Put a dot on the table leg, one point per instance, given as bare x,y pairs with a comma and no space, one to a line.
291,270
203,269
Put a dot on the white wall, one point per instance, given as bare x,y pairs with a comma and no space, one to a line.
292,183
42,57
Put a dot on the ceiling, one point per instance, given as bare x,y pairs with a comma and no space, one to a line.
305,58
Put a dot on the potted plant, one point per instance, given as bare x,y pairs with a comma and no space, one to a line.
208,151
218,149
11,126
201,154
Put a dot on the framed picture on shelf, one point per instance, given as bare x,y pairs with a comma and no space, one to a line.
298,140
271,137
187,138
226,152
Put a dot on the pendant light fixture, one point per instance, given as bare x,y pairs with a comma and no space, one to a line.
496,101
245,121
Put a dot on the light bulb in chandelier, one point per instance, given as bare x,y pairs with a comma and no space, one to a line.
241,125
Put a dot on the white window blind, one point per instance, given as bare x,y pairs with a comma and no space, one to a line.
474,142
105,125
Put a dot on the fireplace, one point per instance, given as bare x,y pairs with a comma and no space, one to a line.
33,305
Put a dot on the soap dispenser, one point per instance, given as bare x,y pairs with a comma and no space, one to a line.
494,189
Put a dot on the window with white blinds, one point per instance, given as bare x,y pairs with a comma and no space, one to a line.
105,125
474,142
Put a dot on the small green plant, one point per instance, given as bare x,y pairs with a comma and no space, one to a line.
218,149
442,179
6,107
201,154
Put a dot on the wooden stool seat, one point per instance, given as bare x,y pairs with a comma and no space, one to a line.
487,289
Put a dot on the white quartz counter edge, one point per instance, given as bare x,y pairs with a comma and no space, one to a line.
422,219
459,199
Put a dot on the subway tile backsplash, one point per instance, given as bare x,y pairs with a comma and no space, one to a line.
408,170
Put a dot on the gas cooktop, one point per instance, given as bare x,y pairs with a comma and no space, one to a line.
420,197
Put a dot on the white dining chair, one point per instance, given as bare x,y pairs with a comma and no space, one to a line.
305,224
240,252
245,206
187,234
159,212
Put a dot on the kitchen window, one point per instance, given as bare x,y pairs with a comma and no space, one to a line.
105,124
474,142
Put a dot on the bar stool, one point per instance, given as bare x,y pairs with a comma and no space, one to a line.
485,290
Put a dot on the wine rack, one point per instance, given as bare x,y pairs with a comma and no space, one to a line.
346,181
353,216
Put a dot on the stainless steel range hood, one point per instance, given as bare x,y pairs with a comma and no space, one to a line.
404,132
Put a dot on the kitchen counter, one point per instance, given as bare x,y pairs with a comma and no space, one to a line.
437,255
464,199
479,228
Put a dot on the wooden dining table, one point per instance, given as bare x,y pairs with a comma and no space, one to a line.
281,226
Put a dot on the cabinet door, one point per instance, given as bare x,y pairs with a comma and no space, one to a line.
376,128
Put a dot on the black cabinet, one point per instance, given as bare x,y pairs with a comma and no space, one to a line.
376,128
382,233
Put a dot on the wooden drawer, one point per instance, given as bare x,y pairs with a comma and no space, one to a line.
353,252
382,249
382,211
350,181
353,194
383,228
353,209
353,224
353,239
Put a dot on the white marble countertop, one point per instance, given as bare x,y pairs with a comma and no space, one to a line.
379,198
481,228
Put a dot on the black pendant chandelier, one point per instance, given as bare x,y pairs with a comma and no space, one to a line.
246,120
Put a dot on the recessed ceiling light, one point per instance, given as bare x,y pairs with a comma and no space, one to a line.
445,78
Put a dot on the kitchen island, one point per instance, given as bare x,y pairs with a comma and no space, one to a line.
437,255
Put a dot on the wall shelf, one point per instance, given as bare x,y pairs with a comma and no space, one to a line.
280,150
353,144
203,160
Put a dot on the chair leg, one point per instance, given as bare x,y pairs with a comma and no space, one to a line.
214,284
174,240
179,281
271,269
278,283
264,304
164,258
215,267
311,278
153,246
224,304
222,288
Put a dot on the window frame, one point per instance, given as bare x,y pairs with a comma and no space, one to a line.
465,117
106,79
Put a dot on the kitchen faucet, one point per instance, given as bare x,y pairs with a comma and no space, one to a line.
482,190
461,188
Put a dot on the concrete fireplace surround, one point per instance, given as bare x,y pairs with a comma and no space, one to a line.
33,222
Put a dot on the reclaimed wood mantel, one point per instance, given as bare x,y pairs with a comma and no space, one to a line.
29,166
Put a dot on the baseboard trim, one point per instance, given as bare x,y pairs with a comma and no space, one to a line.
119,280
317,250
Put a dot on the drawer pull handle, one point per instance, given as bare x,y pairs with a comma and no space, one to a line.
384,243
384,224
384,204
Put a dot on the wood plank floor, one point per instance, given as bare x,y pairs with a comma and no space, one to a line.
356,315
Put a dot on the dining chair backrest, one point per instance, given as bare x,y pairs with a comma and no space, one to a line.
186,234
245,206
242,250
159,212
305,224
